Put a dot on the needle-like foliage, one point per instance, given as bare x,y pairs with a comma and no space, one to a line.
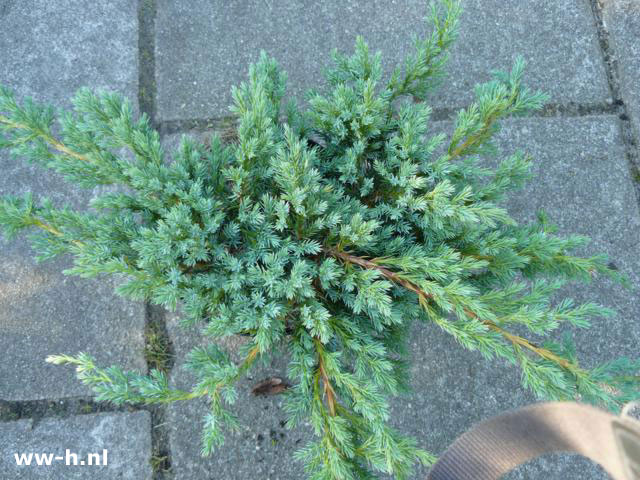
325,232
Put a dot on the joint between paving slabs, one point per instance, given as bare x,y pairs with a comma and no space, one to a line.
224,126
158,350
12,410
630,137
147,87
159,355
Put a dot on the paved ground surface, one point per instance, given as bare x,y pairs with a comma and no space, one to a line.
177,61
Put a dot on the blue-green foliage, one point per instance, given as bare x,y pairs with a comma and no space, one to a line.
325,232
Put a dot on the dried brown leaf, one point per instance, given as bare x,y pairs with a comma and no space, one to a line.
270,386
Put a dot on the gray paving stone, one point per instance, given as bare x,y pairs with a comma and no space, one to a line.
622,20
125,437
205,47
262,449
582,182
557,39
49,50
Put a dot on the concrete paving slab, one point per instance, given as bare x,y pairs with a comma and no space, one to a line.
124,436
622,20
205,47
558,40
49,50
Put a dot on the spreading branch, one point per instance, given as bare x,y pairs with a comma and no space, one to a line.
59,146
397,279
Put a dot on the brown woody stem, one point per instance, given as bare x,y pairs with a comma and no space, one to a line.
54,231
328,389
